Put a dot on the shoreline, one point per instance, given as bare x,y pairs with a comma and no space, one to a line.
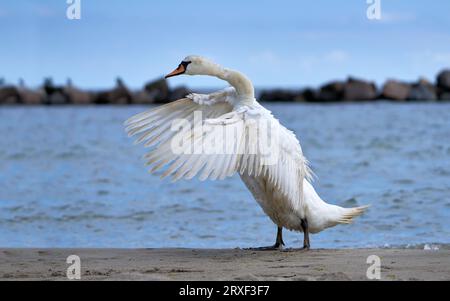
223,264
158,91
264,102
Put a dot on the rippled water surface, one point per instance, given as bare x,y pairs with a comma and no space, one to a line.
70,177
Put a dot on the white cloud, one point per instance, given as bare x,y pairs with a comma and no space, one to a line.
268,57
43,10
427,57
315,61
441,57
427,63
304,61
336,56
397,17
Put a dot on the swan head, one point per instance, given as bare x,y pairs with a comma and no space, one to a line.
195,65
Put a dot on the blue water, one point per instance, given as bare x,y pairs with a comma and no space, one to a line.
69,177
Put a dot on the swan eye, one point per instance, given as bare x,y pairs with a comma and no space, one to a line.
185,63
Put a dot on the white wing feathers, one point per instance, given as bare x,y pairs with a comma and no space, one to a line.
219,142
225,95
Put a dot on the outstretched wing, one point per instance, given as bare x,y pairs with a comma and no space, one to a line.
153,126
214,141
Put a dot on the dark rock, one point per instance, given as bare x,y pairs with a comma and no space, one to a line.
278,95
118,95
158,90
102,97
31,97
54,94
309,95
445,96
178,93
419,92
395,90
77,96
356,89
9,95
422,90
49,87
299,97
142,97
443,80
57,98
332,91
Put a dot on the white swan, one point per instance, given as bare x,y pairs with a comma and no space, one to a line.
276,174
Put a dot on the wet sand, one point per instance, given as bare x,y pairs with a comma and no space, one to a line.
223,264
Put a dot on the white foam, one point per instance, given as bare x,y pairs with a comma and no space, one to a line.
428,247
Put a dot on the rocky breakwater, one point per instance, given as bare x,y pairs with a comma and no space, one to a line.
158,91
354,89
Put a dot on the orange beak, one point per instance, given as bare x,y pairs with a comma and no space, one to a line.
180,70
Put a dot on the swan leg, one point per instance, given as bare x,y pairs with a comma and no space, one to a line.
306,245
279,243
305,229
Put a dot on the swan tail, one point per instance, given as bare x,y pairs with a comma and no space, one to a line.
322,215
350,213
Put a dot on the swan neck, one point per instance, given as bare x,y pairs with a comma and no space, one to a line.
243,85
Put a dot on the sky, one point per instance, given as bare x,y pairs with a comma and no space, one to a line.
283,43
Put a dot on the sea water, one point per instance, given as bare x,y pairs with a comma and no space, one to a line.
70,177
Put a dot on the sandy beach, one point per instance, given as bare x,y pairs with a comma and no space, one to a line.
223,264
